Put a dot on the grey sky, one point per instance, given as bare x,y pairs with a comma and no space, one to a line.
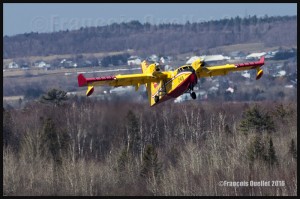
44,17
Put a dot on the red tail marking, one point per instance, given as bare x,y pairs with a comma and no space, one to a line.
81,80
262,60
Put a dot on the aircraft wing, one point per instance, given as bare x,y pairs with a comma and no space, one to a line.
210,71
118,80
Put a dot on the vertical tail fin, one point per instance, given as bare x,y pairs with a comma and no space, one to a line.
81,80
262,60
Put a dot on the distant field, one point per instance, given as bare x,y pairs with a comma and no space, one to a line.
63,71
34,72
248,47
64,56
11,98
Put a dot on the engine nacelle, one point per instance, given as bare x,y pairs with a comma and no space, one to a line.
259,73
90,90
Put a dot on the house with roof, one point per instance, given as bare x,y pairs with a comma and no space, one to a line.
271,54
280,73
164,60
41,64
68,63
246,74
237,55
13,65
254,56
153,58
25,66
134,60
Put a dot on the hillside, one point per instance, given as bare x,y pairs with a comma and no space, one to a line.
171,39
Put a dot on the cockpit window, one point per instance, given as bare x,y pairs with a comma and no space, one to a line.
185,68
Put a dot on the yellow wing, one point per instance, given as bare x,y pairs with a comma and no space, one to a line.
119,80
209,71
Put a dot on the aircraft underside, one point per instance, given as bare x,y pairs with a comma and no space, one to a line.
187,85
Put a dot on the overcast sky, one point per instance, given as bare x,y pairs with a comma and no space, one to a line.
44,17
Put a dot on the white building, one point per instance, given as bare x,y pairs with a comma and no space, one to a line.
213,89
280,73
246,74
237,55
255,55
42,64
164,60
153,58
229,89
122,89
134,60
13,65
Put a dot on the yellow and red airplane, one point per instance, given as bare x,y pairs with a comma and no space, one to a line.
165,85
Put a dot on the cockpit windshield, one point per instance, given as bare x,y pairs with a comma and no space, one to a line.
185,68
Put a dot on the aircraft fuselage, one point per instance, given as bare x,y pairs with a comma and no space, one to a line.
183,79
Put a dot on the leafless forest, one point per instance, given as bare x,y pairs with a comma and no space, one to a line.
88,147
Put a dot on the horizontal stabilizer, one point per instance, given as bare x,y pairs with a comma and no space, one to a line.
254,64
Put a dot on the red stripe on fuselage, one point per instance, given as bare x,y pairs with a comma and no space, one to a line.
183,86
170,81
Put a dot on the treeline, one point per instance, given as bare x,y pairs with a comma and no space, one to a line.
146,38
81,146
115,60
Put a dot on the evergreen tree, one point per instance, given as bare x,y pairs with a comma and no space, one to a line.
282,113
7,128
50,143
173,155
64,142
55,143
122,160
293,150
122,166
55,97
151,167
256,120
134,141
227,129
256,149
272,158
